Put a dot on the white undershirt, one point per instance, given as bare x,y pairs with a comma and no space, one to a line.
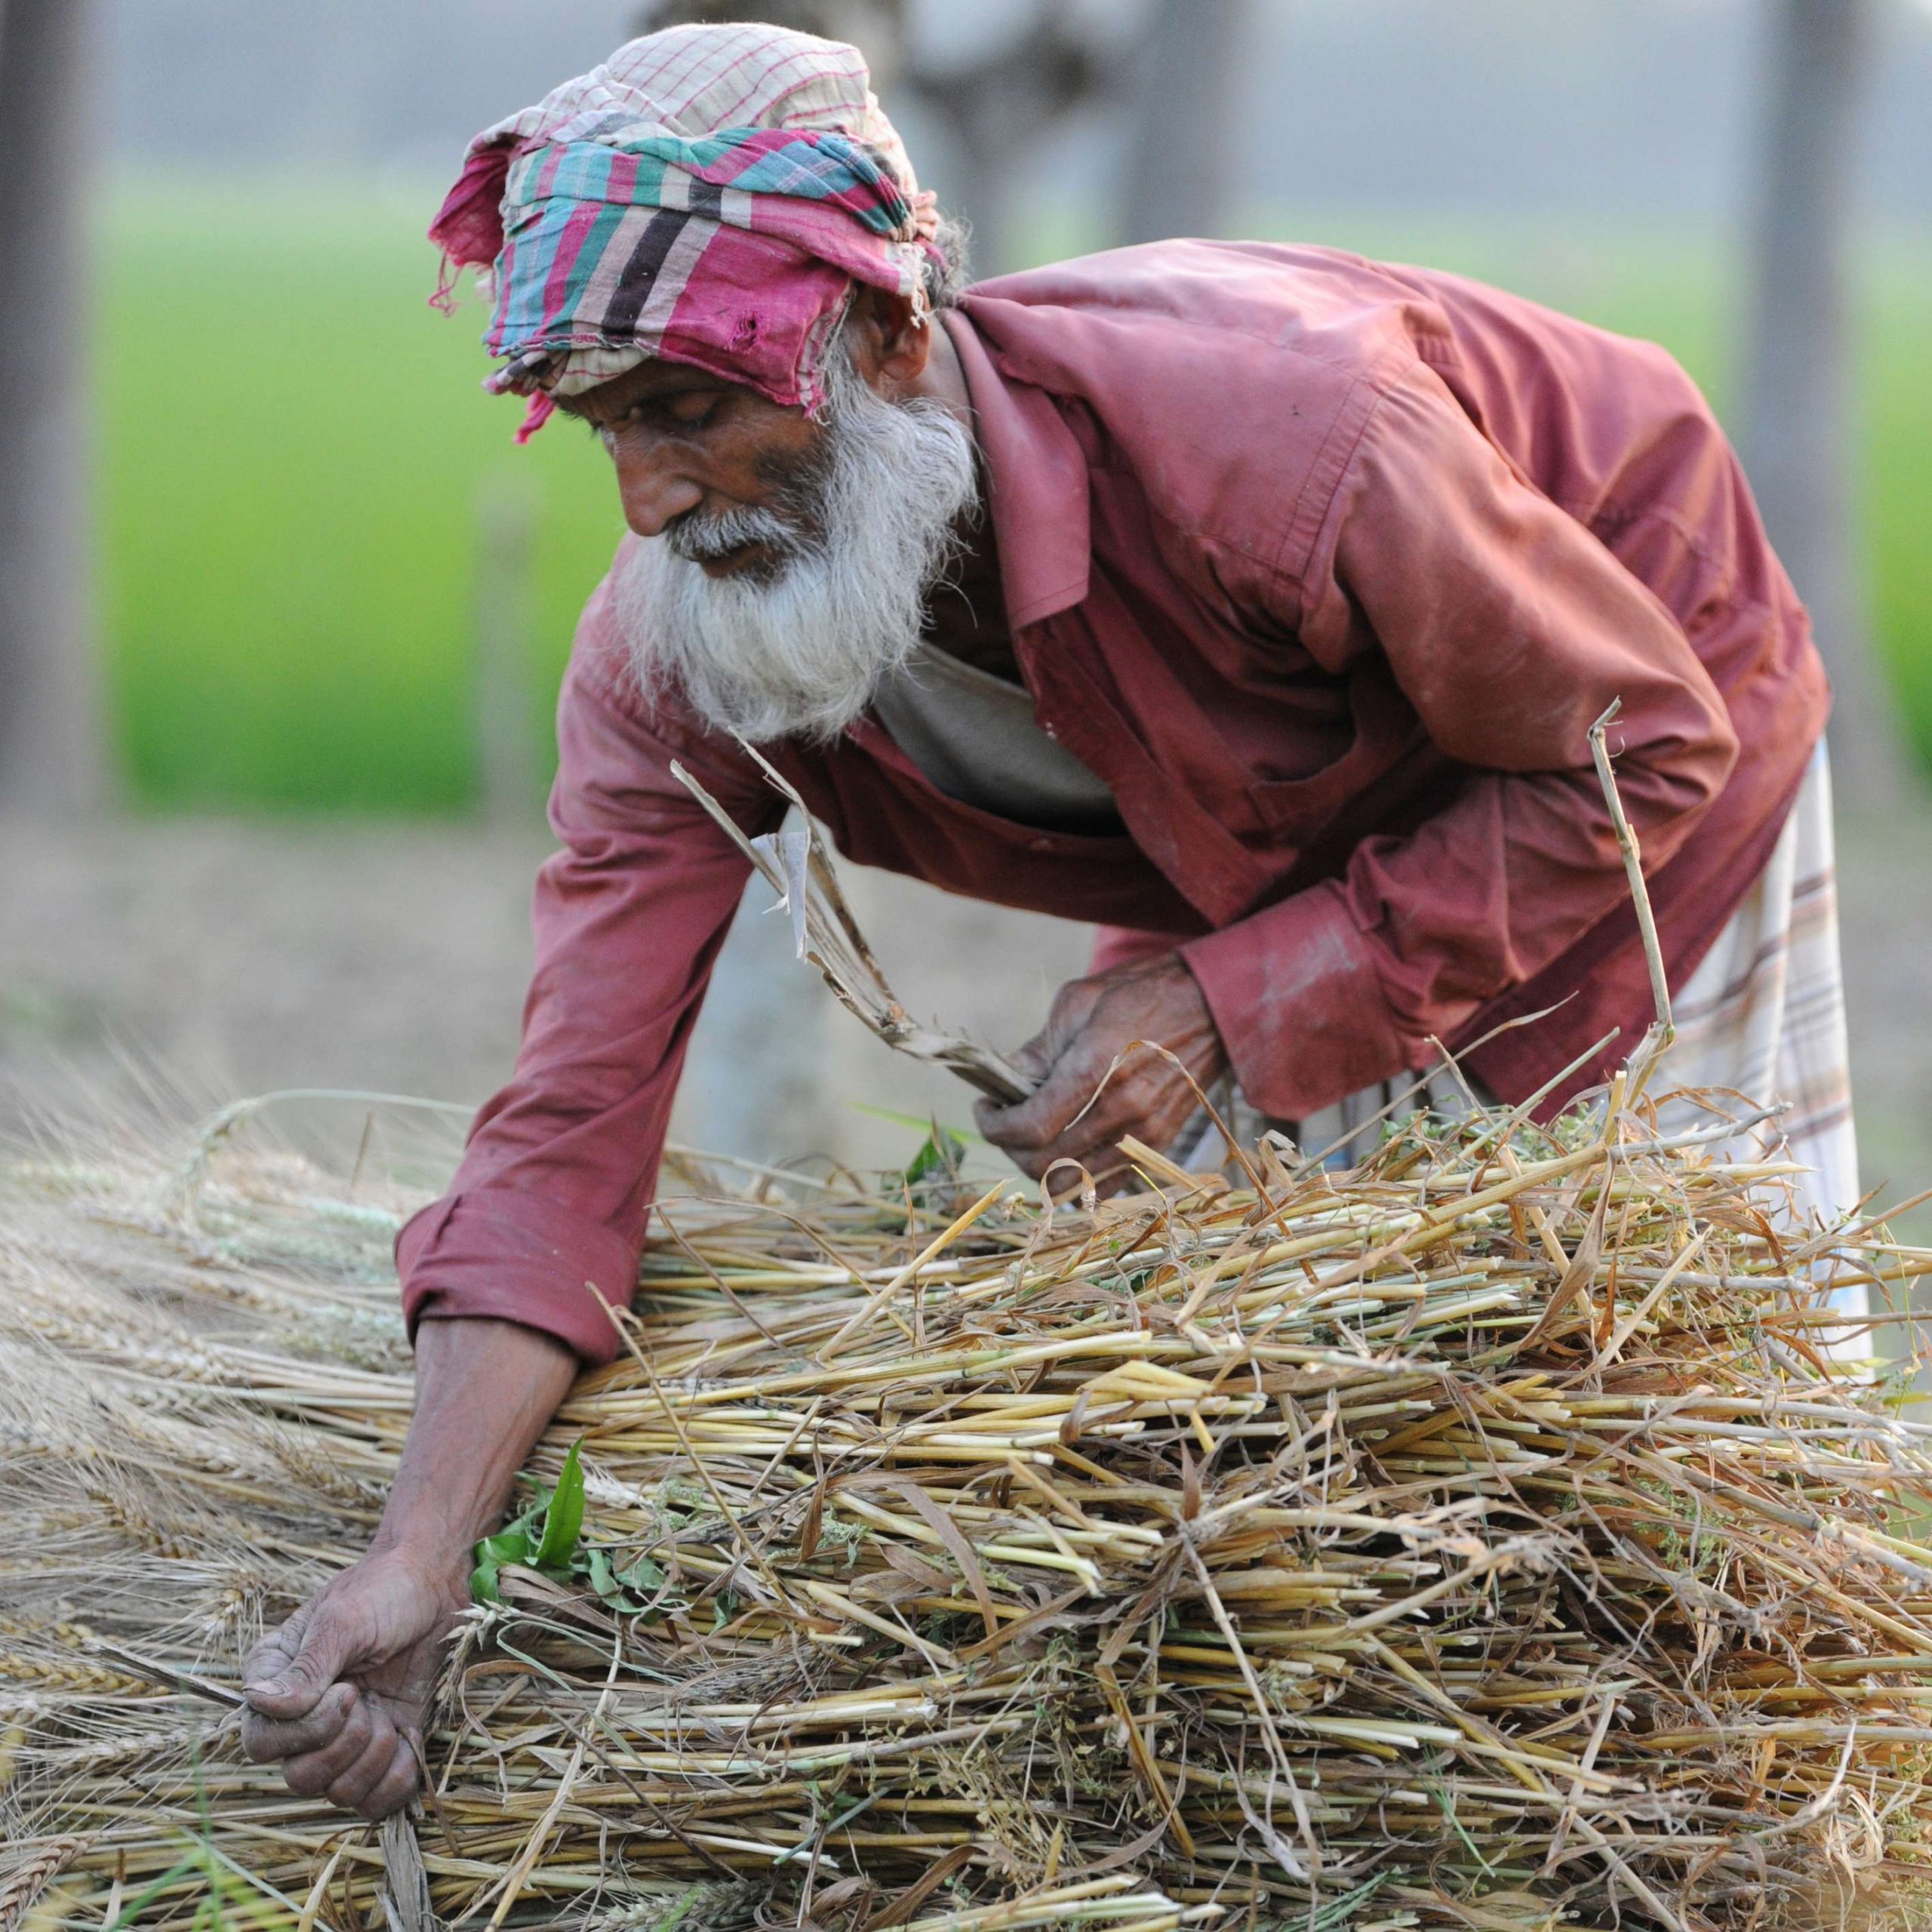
976,738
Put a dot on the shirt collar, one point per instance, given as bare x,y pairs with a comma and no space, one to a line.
1036,481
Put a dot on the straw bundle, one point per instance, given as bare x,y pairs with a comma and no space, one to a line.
1477,1538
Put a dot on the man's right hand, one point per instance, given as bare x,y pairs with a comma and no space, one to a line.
338,1695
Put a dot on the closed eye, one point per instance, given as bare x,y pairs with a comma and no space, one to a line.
681,413
687,409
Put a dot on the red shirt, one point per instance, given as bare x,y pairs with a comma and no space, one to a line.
1326,567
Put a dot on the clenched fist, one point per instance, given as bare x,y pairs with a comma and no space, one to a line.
338,1694
1094,1021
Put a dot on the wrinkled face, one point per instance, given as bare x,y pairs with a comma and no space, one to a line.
694,454
786,562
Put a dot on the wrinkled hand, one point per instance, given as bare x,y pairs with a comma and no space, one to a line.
338,1694
1092,1022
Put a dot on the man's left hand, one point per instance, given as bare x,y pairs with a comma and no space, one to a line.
1094,1021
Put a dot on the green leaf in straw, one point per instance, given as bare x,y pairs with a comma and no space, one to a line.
510,1544
1446,1805
939,1159
1335,1914
563,1520
919,1123
483,1585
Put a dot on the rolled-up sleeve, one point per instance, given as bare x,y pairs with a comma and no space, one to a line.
543,1224
1510,628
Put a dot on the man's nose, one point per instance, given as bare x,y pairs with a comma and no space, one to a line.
653,493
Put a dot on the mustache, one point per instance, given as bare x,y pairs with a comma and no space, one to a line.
701,539
790,527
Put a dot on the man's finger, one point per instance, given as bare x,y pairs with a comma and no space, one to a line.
1047,1112
1073,1006
266,1740
270,1657
1036,1059
352,1784
353,1788
310,1772
1075,1107
291,1685
397,1785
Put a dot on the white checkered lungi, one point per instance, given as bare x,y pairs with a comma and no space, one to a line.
1763,1014
1762,1017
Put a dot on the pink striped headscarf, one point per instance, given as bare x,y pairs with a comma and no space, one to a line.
710,194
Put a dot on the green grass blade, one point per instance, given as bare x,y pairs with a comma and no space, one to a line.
563,1521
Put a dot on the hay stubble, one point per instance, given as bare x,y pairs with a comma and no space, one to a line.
1475,1538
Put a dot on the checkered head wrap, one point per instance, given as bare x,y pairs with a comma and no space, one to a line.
710,194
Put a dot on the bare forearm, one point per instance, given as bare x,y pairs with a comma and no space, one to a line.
339,1695
484,1392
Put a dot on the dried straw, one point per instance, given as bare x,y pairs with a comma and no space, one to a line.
1475,1538
795,863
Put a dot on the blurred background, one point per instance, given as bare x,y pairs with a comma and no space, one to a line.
282,610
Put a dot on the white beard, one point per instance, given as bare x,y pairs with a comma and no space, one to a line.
798,649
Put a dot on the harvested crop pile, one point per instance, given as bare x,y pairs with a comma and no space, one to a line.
1479,1537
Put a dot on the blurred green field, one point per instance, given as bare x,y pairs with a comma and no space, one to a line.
292,448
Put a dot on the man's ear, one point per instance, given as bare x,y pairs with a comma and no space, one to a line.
890,348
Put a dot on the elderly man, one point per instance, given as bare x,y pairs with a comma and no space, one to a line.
1251,602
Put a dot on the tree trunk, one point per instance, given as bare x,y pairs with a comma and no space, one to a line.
50,759
999,109
1800,411
1180,159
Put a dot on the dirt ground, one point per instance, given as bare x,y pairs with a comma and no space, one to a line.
219,958
237,958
